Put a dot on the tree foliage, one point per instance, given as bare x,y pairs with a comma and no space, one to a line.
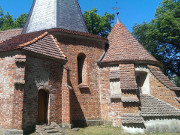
20,21
96,24
161,36
7,21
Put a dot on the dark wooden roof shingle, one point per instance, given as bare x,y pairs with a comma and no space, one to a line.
127,77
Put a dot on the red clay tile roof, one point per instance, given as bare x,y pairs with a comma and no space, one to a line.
129,118
17,41
125,48
5,35
37,42
130,99
156,71
114,74
127,77
14,42
152,106
46,46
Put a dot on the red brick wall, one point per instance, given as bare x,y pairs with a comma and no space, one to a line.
85,104
65,99
112,109
7,77
45,74
17,107
12,92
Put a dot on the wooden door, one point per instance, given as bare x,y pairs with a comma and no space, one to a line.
42,106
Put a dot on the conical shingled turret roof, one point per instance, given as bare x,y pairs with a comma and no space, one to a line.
47,14
124,48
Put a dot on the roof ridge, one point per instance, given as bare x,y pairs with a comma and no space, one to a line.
73,32
33,40
57,44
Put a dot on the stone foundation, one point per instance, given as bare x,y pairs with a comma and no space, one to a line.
158,125
10,132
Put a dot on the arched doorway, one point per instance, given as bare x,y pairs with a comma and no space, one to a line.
43,97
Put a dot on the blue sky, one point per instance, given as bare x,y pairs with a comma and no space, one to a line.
131,11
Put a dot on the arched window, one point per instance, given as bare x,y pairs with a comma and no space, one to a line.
82,68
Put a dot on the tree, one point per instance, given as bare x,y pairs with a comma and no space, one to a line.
161,36
1,17
20,21
96,24
7,21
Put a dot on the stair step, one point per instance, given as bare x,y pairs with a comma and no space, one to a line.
52,131
48,128
14,132
56,134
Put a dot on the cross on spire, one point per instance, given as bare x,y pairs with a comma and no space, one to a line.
117,13
116,8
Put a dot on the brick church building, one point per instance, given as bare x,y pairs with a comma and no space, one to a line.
53,70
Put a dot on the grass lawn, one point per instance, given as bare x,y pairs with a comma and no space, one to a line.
104,130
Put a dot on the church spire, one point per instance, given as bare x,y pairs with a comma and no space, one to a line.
47,14
124,48
118,20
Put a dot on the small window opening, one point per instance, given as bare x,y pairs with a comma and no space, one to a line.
142,81
138,81
106,46
82,68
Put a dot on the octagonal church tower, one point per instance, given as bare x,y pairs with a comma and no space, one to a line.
47,14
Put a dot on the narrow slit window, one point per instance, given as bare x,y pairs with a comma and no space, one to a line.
82,68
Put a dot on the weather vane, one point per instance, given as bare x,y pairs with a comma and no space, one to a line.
116,8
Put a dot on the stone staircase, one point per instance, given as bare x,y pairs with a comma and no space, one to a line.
52,129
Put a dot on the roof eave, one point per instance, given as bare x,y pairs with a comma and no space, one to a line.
62,60
148,62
